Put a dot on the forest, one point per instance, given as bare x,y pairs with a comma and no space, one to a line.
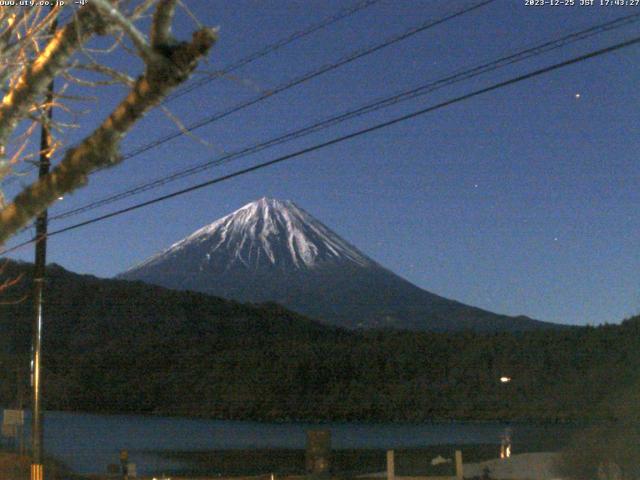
118,346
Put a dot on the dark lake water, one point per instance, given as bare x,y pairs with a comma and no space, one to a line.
88,443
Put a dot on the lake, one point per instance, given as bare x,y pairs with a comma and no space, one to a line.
89,442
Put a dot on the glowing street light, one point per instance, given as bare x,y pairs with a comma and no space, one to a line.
505,442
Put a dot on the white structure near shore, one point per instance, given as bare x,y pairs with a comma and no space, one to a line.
525,466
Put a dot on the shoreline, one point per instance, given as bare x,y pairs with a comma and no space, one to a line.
434,421
345,462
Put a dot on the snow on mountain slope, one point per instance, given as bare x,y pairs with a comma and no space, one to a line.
268,231
272,250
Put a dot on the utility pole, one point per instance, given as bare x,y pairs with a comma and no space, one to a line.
46,144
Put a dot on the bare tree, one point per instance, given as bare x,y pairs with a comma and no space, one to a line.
31,57
6,283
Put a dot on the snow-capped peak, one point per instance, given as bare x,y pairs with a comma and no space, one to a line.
264,232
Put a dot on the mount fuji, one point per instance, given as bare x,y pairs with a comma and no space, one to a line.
273,251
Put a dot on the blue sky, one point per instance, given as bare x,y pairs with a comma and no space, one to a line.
520,201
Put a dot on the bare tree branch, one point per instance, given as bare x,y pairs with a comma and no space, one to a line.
137,37
142,9
35,79
31,57
10,282
101,148
115,75
161,27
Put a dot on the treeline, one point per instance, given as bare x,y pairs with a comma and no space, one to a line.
116,346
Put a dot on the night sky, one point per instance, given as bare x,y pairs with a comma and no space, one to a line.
520,201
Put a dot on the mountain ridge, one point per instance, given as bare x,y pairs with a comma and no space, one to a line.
273,250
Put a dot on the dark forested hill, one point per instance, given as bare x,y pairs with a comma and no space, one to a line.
117,346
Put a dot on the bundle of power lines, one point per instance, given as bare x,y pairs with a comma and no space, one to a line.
384,102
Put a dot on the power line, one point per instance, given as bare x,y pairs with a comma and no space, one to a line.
424,89
306,77
272,48
340,15
342,138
